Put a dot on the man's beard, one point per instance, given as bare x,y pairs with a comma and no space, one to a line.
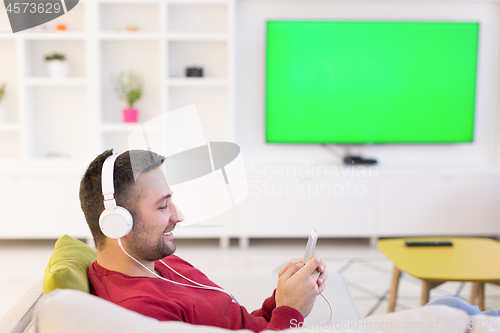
145,244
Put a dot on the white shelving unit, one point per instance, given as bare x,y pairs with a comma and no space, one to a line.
67,122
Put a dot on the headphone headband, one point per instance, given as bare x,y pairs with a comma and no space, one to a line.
108,186
115,221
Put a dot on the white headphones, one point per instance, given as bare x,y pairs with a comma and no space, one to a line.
115,221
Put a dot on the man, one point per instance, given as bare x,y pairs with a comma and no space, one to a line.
140,187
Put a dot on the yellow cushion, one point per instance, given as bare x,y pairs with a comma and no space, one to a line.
69,265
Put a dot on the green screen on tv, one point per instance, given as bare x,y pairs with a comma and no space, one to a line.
370,82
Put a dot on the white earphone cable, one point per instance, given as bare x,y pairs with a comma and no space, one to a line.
330,306
199,285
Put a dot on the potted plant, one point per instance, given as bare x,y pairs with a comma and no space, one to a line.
57,65
128,86
2,95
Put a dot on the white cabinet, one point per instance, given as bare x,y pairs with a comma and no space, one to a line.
455,205
39,203
291,206
379,202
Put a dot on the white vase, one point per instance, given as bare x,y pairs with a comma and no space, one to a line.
57,68
2,113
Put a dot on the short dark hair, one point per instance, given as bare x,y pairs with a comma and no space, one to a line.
126,169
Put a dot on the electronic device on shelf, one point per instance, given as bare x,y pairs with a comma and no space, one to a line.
358,160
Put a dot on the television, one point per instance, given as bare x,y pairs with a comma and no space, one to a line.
360,82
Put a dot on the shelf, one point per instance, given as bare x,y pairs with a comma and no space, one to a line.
197,82
9,127
129,35
125,127
7,35
202,37
45,166
53,35
198,2
118,127
50,82
44,35
132,2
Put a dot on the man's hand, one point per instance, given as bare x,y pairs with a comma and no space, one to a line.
299,284
321,268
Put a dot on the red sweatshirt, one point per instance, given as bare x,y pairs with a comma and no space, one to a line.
164,300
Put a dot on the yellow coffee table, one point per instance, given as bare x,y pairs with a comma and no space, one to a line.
469,259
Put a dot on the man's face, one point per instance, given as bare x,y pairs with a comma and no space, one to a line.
151,237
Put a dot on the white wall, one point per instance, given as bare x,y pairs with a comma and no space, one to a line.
251,20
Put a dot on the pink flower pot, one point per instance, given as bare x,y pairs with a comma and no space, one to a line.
130,115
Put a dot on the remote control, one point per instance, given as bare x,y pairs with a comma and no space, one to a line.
436,243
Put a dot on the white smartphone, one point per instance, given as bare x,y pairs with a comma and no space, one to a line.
311,244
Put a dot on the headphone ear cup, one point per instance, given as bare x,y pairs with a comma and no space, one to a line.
116,223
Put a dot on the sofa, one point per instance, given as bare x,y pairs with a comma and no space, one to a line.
73,310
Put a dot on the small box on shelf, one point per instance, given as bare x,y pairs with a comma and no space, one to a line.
212,56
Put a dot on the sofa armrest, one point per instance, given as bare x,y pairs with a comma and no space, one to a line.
19,318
